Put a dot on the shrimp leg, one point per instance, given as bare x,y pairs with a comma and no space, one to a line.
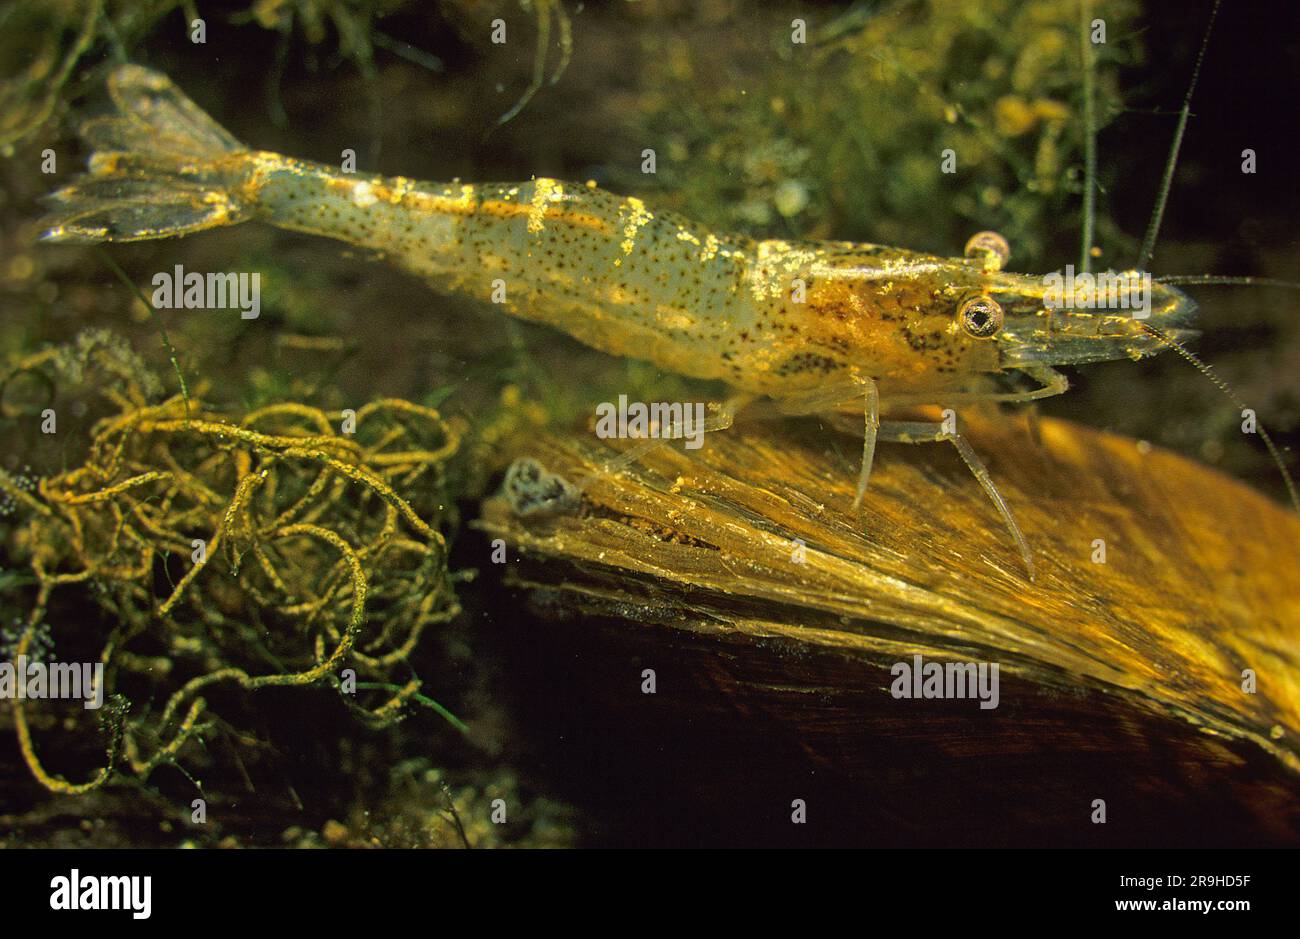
872,415
1051,383
831,397
926,432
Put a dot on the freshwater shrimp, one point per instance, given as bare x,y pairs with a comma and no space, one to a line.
813,326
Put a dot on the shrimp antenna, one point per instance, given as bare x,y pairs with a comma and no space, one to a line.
1089,137
1232,396
1214,279
1158,214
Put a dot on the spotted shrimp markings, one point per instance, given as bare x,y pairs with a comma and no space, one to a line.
674,317
408,195
544,190
778,262
637,216
397,193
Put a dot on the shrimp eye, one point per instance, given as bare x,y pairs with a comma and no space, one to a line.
980,316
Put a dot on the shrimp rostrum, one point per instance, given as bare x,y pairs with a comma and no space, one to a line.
816,327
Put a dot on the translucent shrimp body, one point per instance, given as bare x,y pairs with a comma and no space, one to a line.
777,318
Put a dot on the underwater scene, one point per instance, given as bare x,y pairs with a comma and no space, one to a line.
558,424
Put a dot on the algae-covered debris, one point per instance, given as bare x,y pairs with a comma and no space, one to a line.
783,604
422,808
844,135
759,527
50,41
282,547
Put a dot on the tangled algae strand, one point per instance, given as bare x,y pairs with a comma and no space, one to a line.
305,553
